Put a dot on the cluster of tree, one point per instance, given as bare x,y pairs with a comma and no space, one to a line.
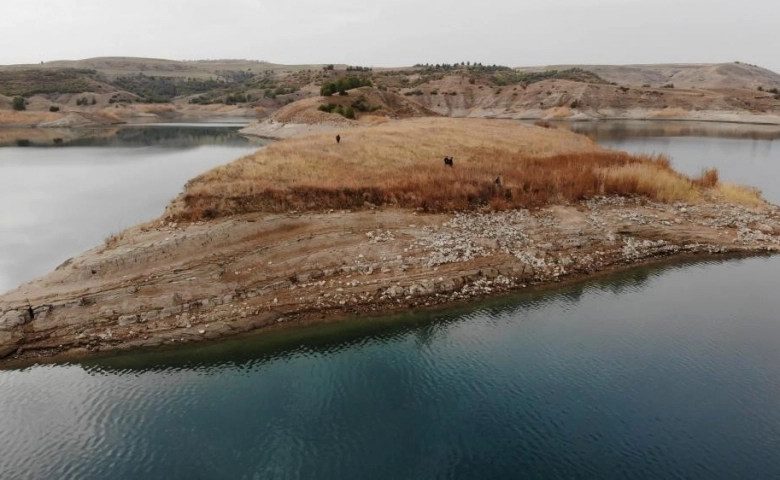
151,89
479,68
361,105
351,68
439,66
265,80
212,98
234,98
236,76
19,104
771,90
31,82
342,85
86,101
347,112
474,67
526,78
164,89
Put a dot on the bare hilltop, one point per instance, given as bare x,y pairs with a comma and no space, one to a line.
118,90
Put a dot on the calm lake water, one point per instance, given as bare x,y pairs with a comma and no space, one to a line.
57,201
664,372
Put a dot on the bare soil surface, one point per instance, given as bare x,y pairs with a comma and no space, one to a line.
163,283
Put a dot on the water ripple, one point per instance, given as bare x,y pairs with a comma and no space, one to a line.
628,379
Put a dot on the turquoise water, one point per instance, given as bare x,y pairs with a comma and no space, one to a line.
645,375
664,372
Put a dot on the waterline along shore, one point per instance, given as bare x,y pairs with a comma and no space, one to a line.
256,244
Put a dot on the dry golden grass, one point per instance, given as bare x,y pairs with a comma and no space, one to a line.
650,178
113,239
741,194
159,108
401,163
12,117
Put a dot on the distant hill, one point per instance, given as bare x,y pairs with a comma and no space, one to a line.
119,66
704,75
124,88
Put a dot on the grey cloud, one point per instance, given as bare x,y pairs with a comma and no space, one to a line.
395,32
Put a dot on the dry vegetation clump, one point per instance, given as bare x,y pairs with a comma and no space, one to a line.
741,194
113,239
401,164
159,108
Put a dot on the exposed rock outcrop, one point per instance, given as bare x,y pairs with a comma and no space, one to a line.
173,284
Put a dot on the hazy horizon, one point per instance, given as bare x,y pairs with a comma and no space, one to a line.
271,62
391,33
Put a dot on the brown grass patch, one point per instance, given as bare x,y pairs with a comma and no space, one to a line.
113,239
11,117
401,164
708,178
159,108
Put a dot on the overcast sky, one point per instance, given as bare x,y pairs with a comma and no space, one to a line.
395,32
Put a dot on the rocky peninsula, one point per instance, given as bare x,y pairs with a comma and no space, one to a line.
309,230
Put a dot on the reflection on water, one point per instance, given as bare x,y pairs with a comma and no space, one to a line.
58,202
643,375
669,371
274,346
623,130
165,135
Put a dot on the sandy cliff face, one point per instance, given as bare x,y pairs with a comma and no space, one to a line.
562,99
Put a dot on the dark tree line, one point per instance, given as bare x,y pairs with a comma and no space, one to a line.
342,85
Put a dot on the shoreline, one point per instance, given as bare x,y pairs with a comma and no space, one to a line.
304,320
274,130
156,287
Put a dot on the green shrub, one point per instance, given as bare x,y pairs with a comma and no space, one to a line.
511,77
19,104
54,108
343,84
361,105
327,108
